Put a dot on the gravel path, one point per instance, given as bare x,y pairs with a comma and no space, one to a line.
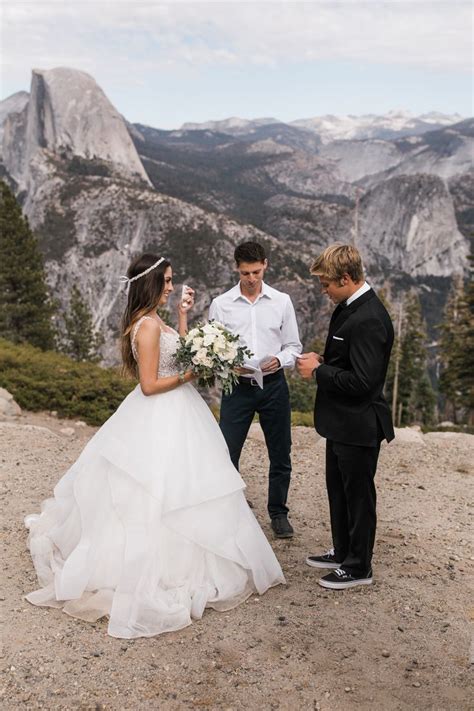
403,643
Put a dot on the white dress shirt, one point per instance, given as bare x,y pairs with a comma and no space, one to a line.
365,287
267,326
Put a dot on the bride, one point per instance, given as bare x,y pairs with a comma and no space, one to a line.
150,525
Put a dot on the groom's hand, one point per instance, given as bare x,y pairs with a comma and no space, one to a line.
271,365
307,363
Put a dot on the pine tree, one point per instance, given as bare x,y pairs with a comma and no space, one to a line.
26,309
423,401
391,379
82,341
416,399
465,360
457,350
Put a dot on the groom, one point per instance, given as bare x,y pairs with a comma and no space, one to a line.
350,412
265,320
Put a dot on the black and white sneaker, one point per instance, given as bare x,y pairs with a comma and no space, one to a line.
341,579
327,560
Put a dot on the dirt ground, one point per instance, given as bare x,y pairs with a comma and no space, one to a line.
403,643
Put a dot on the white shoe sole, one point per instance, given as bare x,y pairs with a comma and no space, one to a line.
343,586
324,566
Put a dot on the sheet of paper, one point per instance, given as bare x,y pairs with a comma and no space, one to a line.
255,365
184,295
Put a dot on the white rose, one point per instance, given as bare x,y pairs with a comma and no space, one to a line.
230,354
191,335
200,355
210,328
201,358
209,339
197,344
220,344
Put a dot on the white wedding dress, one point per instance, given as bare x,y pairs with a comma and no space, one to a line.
150,525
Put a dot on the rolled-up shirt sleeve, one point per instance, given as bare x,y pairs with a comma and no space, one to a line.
290,339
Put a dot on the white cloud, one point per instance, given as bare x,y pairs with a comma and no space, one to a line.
140,35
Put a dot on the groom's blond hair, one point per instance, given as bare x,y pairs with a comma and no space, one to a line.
337,260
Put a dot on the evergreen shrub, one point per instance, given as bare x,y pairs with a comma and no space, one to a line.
302,393
302,419
46,380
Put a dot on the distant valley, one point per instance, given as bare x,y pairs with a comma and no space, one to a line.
98,190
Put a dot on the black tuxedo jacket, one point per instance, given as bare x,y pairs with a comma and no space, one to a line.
350,406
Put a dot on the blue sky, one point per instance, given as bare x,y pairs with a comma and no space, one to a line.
166,63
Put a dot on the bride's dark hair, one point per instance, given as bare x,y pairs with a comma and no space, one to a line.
143,296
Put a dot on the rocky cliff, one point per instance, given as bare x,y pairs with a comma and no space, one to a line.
98,190
89,199
408,224
13,104
67,115
310,197
357,159
93,226
461,188
445,152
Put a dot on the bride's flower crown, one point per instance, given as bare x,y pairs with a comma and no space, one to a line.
125,279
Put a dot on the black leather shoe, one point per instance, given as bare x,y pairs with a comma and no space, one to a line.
282,528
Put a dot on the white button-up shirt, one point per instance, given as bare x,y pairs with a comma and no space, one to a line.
267,326
361,290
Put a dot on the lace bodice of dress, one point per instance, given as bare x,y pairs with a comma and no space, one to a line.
168,346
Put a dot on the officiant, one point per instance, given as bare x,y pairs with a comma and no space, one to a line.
265,320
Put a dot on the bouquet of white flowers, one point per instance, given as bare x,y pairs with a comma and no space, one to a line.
213,353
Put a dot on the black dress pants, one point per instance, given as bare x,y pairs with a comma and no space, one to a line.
273,407
350,472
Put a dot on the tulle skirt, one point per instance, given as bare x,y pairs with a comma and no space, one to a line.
150,525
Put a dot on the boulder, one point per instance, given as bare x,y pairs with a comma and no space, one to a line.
8,406
408,434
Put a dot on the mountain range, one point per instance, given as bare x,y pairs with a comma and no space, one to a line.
393,124
98,189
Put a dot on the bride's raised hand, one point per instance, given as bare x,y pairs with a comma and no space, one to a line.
187,300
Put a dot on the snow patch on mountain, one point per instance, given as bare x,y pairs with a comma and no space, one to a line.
390,125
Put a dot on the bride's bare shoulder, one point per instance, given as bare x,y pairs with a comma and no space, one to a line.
146,330
149,323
